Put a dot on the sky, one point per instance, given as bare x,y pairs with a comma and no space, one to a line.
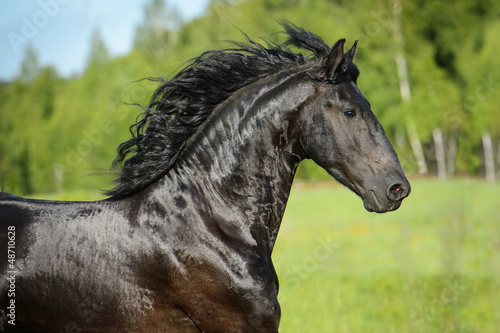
60,30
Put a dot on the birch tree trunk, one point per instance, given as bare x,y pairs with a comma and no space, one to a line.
418,152
489,160
404,84
437,135
498,153
452,152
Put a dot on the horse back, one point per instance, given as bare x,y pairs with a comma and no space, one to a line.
15,216
38,238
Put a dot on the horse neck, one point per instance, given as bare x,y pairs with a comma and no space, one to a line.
243,159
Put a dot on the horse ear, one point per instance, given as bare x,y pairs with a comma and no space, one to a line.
352,51
335,57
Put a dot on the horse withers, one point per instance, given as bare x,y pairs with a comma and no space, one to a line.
184,242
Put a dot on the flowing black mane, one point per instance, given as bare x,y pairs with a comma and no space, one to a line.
181,104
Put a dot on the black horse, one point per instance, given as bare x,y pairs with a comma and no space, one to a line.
184,243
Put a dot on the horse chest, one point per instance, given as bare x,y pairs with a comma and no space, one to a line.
217,290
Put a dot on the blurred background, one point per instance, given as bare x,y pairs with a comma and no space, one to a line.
69,71
429,69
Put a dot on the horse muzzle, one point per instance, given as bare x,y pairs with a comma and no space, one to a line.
381,199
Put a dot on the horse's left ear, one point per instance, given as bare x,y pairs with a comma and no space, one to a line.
352,51
335,57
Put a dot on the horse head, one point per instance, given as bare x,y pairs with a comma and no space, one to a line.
343,136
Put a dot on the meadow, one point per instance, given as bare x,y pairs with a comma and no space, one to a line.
431,266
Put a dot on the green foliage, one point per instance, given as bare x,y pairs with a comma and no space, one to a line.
55,132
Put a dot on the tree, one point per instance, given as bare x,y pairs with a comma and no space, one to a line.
98,54
404,83
157,29
30,66
481,93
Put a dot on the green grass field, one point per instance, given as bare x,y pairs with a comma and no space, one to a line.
431,266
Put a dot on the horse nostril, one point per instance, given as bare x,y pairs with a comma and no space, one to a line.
397,192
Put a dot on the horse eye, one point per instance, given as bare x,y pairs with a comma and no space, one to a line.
349,114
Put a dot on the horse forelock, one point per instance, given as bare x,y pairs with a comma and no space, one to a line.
181,104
